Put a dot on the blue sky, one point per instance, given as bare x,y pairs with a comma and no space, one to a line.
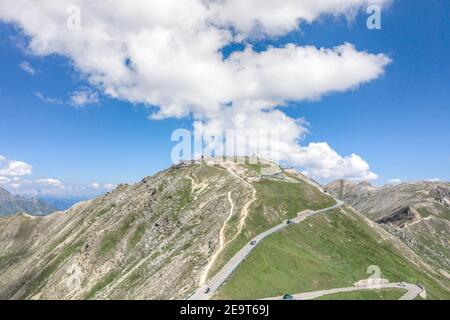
398,123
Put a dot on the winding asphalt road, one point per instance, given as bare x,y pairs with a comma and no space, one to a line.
228,269
412,291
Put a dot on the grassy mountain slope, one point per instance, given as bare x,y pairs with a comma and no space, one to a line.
418,213
278,197
330,250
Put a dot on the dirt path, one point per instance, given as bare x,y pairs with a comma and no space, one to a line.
245,208
222,244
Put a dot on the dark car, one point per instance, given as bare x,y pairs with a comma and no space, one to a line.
253,243
290,222
207,290
288,296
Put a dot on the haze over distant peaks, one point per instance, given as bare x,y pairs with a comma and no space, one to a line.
12,204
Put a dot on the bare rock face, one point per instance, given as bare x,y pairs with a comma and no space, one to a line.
416,212
400,217
441,194
376,203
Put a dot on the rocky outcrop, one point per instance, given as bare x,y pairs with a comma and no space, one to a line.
400,217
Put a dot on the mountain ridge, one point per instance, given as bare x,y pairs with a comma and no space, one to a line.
157,238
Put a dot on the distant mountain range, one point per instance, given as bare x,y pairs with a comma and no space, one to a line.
11,204
62,203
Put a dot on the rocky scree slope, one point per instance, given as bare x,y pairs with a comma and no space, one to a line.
418,213
150,240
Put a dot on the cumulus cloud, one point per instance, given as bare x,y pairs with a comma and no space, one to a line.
274,17
283,134
394,181
167,54
434,180
13,176
323,162
26,66
13,167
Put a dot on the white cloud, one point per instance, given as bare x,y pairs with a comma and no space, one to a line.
167,54
13,171
14,168
50,182
77,99
319,159
26,66
84,97
323,162
16,182
300,73
275,17
46,99
95,185
107,186
4,180
394,181
51,187
12,174
434,179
